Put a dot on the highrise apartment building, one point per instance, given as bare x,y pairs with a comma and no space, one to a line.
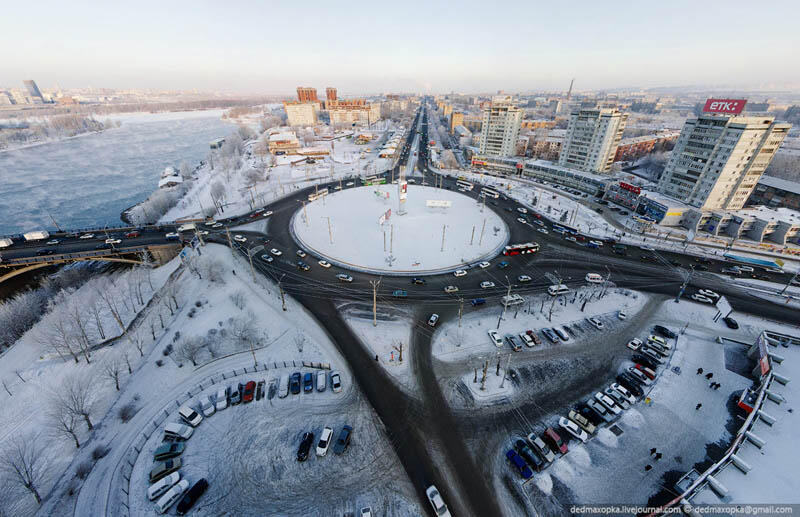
33,91
719,158
456,119
500,127
330,93
592,138
306,94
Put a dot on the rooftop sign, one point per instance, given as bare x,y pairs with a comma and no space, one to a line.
733,106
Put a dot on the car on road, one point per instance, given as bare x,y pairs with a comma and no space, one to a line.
190,416
191,496
484,265
44,251
608,403
517,461
600,410
305,446
495,337
239,238
344,278
555,441
343,440
324,263
294,383
171,236
732,270
538,222
435,498
523,278
503,264
168,450
433,319
324,441
745,269
634,344
459,272
400,293
549,334
596,243
266,258
522,220
622,314
513,343
596,323
527,339
530,457
664,331
302,266
582,422
541,448
477,301
708,293
308,382
207,406
702,299
217,226
573,429
87,236
451,289
222,399
301,253
248,392
336,382
617,397
276,252
730,322
522,210
164,468
542,230
487,285
418,281
113,241
52,242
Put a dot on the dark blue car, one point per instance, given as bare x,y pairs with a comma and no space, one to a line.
518,462
503,265
308,383
294,383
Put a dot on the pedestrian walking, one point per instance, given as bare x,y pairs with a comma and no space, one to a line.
699,371
648,467
698,406
652,451
658,456
709,375
233,271
718,386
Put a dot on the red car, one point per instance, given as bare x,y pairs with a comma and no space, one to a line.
131,235
249,391
554,441
533,336
647,371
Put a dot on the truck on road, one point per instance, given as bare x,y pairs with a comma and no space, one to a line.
36,235
188,227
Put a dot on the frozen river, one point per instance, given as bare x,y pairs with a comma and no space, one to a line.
89,180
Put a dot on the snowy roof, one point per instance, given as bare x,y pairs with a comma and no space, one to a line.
176,180
779,183
286,135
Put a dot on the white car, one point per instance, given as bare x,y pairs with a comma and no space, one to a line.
451,289
324,441
87,236
599,244
222,399
172,496
634,344
268,213
617,398
624,392
459,272
344,278
202,232
113,241
522,210
190,416
495,337
702,299
708,293
52,242
207,406
266,258
433,319
582,422
301,253
217,226
542,230
539,446
595,322
336,382
324,263
608,403
170,235
348,184
435,498
158,488
239,238
523,278
573,429
522,220
528,340
487,285
621,314
322,380
210,223
484,265
276,252
746,269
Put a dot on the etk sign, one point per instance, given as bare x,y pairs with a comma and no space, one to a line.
734,106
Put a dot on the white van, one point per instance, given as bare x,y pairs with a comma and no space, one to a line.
283,386
190,416
171,497
184,432
158,488
594,278
555,290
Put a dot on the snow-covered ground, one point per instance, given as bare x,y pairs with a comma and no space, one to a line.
424,239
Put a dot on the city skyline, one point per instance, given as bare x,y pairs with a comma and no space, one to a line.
249,48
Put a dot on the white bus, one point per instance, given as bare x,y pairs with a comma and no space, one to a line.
486,191
594,278
555,290
512,300
318,194
466,185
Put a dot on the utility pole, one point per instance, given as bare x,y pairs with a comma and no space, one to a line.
280,288
305,214
375,284
471,239
391,238
460,310
505,372
228,233
54,222
252,270
505,305
685,283
330,232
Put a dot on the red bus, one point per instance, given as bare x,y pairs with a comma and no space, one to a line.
521,249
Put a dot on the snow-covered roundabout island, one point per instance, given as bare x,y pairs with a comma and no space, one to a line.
363,229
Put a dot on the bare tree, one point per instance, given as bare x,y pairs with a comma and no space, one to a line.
189,349
243,329
127,358
76,394
64,422
112,370
238,299
94,306
135,337
172,292
24,463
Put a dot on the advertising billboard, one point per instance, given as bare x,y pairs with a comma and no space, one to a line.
403,191
732,106
630,188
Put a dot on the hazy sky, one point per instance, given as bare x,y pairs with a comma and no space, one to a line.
272,47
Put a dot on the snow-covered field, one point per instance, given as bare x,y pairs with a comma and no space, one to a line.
407,243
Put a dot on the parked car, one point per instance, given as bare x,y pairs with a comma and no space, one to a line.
344,278
324,441
322,380
513,343
495,337
708,293
190,416
249,391
459,272
634,344
530,457
503,264
343,440
622,314
538,445
294,383
582,422
305,446
207,406
517,461
235,394
191,496
534,337
435,498
617,397
487,285
561,333
630,383
645,360
301,253
702,299
622,390
171,496
651,374
608,403
523,279
158,488
164,468
168,450
600,410
640,376
527,339
573,429
433,319
336,382
664,331
730,322
451,289
283,386
549,334
308,382
596,323
555,442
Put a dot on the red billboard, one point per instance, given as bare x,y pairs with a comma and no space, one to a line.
631,188
734,106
